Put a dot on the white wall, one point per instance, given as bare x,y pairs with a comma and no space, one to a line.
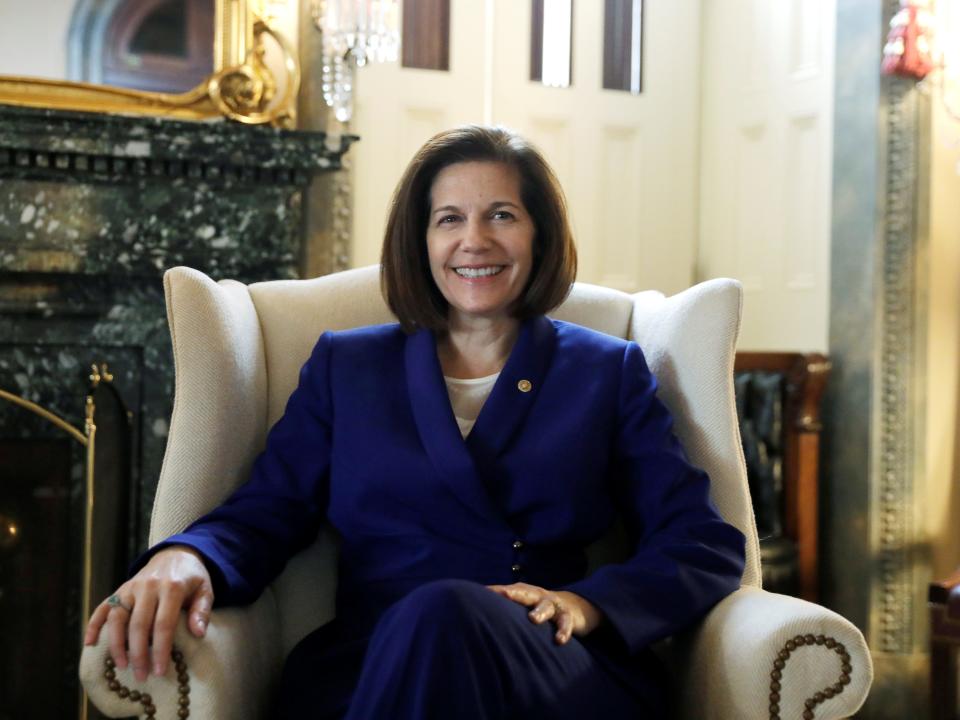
766,159
33,37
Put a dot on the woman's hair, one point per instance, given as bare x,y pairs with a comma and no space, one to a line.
405,277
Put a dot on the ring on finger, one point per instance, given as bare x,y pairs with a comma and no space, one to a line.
114,601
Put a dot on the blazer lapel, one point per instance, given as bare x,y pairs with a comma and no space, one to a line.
515,391
438,428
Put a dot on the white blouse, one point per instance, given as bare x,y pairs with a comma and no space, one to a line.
467,398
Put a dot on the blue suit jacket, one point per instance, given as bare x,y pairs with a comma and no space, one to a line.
369,442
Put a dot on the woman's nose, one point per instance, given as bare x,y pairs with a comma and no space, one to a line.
475,237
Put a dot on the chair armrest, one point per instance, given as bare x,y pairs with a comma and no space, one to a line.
232,671
759,656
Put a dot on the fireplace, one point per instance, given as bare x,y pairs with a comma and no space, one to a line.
94,209
64,500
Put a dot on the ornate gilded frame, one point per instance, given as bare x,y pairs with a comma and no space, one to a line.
241,87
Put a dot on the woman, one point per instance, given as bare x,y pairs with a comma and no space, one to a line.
466,456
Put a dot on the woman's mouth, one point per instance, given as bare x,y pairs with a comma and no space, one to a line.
477,272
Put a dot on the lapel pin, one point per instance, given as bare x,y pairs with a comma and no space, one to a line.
524,386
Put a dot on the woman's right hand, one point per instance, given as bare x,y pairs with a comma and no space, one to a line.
152,599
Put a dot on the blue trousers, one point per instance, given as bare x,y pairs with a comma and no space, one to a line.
454,649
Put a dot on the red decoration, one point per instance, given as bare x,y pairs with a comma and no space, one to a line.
909,48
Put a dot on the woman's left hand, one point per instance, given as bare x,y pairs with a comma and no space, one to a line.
572,614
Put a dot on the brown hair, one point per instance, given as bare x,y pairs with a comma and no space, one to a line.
405,278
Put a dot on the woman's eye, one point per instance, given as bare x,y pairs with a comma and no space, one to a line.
446,219
503,215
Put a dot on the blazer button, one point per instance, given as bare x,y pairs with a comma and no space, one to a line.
524,386
517,544
515,568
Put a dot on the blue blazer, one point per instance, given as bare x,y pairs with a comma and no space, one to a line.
571,436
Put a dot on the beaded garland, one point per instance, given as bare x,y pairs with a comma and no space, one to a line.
149,710
832,691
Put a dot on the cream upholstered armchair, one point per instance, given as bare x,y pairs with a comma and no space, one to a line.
238,350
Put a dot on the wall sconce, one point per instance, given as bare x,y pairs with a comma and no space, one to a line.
354,32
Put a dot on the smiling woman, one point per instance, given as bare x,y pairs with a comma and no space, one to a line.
479,241
482,194
467,456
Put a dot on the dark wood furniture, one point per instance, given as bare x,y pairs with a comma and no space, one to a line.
804,380
944,603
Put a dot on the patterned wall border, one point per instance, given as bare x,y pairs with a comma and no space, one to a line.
892,477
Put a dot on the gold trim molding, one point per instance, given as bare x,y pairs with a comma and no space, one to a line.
242,86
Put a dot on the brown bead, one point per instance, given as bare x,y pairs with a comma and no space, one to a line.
150,709
828,692
183,713
840,649
110,674
818,697
135,695
776,675
774,697
774,716
846,668
778,664
183,677
184,700
109,662
820,639
810,703
123,691
845,679
113,685
800,640
837,688
183,689
177,656
783,655
830,642
181,667
145,698
774,708
810,639
791,645
808,715
775,686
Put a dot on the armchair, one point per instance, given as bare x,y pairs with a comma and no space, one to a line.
238,350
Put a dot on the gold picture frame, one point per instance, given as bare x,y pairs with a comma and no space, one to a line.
242,86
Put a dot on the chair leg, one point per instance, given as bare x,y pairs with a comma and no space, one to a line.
943,681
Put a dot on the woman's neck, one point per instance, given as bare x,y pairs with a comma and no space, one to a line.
476,348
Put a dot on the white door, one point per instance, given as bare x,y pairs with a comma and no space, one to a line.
765,188
627,163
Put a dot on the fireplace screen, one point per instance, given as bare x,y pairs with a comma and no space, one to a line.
64,500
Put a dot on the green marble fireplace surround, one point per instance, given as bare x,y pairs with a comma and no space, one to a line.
93,209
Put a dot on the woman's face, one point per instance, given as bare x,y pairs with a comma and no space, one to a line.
479,239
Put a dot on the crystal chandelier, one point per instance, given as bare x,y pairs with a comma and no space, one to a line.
354,32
